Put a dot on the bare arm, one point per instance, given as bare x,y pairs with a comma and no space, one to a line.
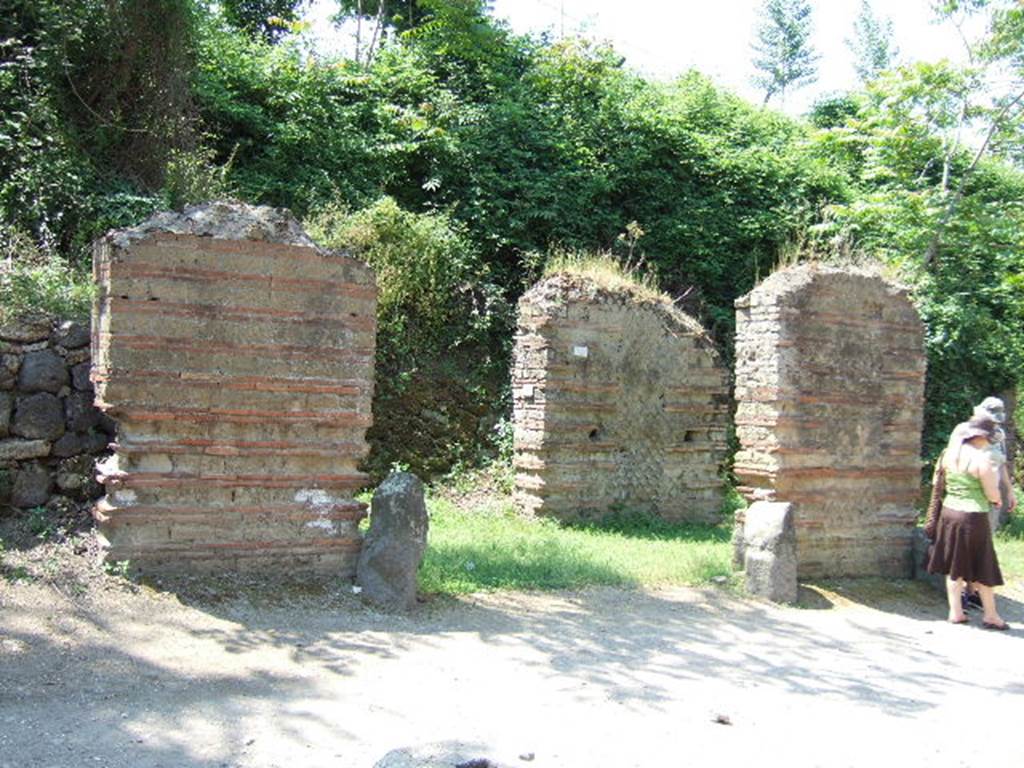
1011,502
989,478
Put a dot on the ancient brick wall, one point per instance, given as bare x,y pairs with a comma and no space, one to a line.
237,359
830,370
620,403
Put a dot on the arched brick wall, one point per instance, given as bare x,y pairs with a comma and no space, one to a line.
830,370
620,403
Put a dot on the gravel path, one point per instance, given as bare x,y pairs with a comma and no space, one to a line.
605,677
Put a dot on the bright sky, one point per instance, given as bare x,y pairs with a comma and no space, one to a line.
664,38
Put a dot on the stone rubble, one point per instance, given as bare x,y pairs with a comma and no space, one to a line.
47,415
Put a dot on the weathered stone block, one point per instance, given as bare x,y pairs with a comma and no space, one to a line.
26,329
42,371
38,417
73,357
394,545
19,450
769,552
6,404
70,335
9,365
32,485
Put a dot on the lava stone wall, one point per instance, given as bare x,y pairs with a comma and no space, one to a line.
50,433
830,369
237,359
620,404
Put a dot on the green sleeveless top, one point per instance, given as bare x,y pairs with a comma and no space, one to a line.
964,492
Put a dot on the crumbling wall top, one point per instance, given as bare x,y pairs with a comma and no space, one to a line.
566,287
222,221
787,282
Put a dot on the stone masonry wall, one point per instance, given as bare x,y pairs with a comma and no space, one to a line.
830,370
50,432
620,403
237,358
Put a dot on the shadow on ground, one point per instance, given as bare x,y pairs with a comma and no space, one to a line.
179,675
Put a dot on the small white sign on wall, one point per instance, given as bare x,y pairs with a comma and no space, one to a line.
527,390
578,351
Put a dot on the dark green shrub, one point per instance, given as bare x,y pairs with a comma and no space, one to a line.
443,335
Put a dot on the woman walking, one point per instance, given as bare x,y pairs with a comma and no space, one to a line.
963,550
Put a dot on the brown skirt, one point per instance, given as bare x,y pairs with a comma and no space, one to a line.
963,548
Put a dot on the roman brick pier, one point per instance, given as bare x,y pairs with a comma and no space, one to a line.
236,357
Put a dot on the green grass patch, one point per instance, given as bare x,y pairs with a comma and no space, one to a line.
1010,547
494,547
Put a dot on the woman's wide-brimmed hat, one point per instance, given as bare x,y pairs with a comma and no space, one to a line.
977,426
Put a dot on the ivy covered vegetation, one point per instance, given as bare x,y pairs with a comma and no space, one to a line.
458,157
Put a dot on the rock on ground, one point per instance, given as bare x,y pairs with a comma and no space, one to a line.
32,485
769,551
393,547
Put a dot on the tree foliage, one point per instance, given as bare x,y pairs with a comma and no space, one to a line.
784,58
461,155
872,43
267,19
896,149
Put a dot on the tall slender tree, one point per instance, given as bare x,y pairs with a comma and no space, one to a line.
872,43
784,57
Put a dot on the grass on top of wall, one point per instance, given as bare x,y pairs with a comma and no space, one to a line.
609,273
493,547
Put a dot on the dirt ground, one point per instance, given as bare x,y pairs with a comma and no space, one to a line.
95,671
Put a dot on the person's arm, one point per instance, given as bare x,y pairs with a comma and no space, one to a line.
989,477
1011,502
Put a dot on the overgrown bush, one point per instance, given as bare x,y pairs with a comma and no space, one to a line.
443,335
96,98
485,152
34,281
43,175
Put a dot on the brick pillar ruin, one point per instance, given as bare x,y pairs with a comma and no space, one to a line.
830,370
620,403
237,359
